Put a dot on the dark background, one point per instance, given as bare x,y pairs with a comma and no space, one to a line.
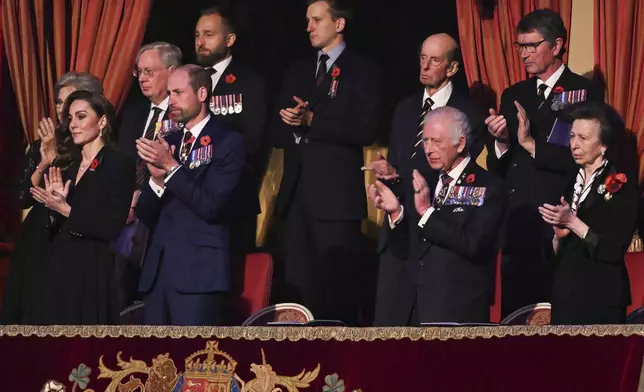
273,33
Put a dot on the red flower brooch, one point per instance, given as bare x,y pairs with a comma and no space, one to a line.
205,140
470,178
613,184
93,165
335,72
230,78
558,90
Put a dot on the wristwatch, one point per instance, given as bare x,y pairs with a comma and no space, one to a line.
172,170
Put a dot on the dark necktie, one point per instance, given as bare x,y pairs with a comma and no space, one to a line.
541,94
211,71
427,107
141,167
319,77
186,145
442,195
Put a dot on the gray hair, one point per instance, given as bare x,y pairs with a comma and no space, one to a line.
170,54
457,122
79,81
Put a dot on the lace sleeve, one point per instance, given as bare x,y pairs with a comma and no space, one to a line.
32,159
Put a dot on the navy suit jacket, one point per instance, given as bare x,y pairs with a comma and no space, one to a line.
192,237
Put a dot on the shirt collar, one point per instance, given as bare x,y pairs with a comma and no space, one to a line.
221,66
163,105
456,172
196,130
334,53
552,80
440,97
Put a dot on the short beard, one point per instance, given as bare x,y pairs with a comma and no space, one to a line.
208,60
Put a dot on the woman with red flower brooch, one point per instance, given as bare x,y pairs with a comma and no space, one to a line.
593,226
88,205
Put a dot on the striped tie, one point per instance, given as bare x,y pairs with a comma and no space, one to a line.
427,107
442,194
141,168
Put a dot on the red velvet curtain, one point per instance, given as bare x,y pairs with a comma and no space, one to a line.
105,37
486,34
619,56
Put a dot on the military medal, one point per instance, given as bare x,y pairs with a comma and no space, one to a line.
217,105
224,105
231,108
212,103
238,104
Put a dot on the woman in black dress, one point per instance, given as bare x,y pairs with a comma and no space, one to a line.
88,206
593,226
26,268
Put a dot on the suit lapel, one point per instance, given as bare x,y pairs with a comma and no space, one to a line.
593,195
321,92
223,87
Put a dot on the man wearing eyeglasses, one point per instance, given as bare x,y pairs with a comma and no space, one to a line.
154,63
535,170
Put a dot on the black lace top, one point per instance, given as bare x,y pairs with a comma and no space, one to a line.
32,160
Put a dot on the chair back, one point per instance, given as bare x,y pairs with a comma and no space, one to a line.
285,312
258,275
636,316
536,314
635,266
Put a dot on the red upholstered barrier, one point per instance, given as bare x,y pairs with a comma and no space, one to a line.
635,266
258,275
495,309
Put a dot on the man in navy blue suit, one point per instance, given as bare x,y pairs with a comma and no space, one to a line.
186,271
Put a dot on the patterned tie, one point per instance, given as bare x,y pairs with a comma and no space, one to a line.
442,195
186,145
141,167
319,77
427,107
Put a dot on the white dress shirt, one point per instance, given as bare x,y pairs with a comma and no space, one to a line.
455,174
220,67
440,97
552,80
164,108
196,130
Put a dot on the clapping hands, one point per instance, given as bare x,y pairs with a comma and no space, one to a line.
54,196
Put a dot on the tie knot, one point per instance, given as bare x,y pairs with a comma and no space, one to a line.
188,137
156,111
542,89
211,71
446,179
428,104
323,58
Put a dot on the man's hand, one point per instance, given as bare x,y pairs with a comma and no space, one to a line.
422,199
156,153
523,133
498,127
382,169
298,115
384,199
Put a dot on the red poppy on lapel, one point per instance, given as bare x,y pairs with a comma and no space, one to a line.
558,90
615,181
335,72
93,165
470,178
205,140
230,78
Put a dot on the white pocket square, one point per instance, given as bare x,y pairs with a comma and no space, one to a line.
458,209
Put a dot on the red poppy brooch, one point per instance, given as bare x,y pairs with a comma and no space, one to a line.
335,74
205,140
93,165
612,185
558,90
470,179
230,78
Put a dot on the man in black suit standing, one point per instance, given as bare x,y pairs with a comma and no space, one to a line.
329,113
439,62
535,170
238,98
154,63
449,231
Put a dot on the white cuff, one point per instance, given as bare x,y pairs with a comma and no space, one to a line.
174,170
297,138
426,216
393,224
156,189
497,151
